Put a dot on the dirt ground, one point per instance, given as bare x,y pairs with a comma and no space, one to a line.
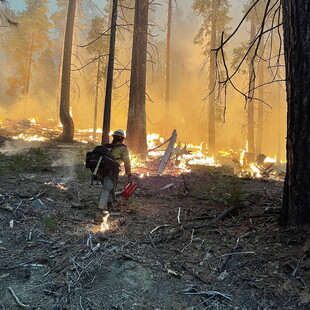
200,240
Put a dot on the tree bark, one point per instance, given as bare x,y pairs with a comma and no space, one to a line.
65,117
260,112
136,123
96,100
296,197
109,85
167,86
211,124
28,76
250,101
280,124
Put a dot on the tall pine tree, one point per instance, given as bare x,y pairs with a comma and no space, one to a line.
215,20
136,123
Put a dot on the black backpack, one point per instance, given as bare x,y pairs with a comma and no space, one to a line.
100,161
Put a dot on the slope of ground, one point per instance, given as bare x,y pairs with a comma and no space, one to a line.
202,240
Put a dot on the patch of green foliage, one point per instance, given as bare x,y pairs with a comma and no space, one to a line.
219,184
28,160
82,173
50,223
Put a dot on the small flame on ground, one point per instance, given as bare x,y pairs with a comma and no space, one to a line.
60,186
105,224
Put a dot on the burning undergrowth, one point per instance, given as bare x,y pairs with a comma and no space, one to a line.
181,159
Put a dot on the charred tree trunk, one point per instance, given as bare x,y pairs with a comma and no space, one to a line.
211,126
250,101
260,112
296,198
167,86
96,100
136,123
65,117
109,85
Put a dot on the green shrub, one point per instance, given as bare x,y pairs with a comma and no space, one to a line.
34,157
218,184
50,223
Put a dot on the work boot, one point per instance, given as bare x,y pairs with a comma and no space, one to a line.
110,206
99,216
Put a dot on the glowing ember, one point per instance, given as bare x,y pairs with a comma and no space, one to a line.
105,224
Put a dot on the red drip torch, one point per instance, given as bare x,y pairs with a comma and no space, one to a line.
129,189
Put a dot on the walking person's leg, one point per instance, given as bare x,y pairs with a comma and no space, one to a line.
108,186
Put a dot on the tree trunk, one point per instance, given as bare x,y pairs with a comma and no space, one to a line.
211,125
28,76
280,124
136,123
260,113
109,85
250,101
65,117
296,197
96,100
167,86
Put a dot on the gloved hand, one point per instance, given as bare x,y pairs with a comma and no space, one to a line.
129,178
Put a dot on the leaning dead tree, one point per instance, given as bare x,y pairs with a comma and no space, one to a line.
136,123
65,117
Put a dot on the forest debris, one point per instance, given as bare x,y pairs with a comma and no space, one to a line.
29,236
96,247
173,273
167,153
17,300
194,274
159,227
193,291
191,241
7,207
179,214
223,276
167,186
222,215
296,272
38,204
224,263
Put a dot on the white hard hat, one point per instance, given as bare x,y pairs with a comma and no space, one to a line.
119,133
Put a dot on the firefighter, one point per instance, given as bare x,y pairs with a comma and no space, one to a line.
121,154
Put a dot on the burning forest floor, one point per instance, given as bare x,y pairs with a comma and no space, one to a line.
201,240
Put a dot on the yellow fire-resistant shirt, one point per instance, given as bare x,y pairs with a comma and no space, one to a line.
121,153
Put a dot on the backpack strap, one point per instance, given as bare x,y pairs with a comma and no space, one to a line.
112,146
